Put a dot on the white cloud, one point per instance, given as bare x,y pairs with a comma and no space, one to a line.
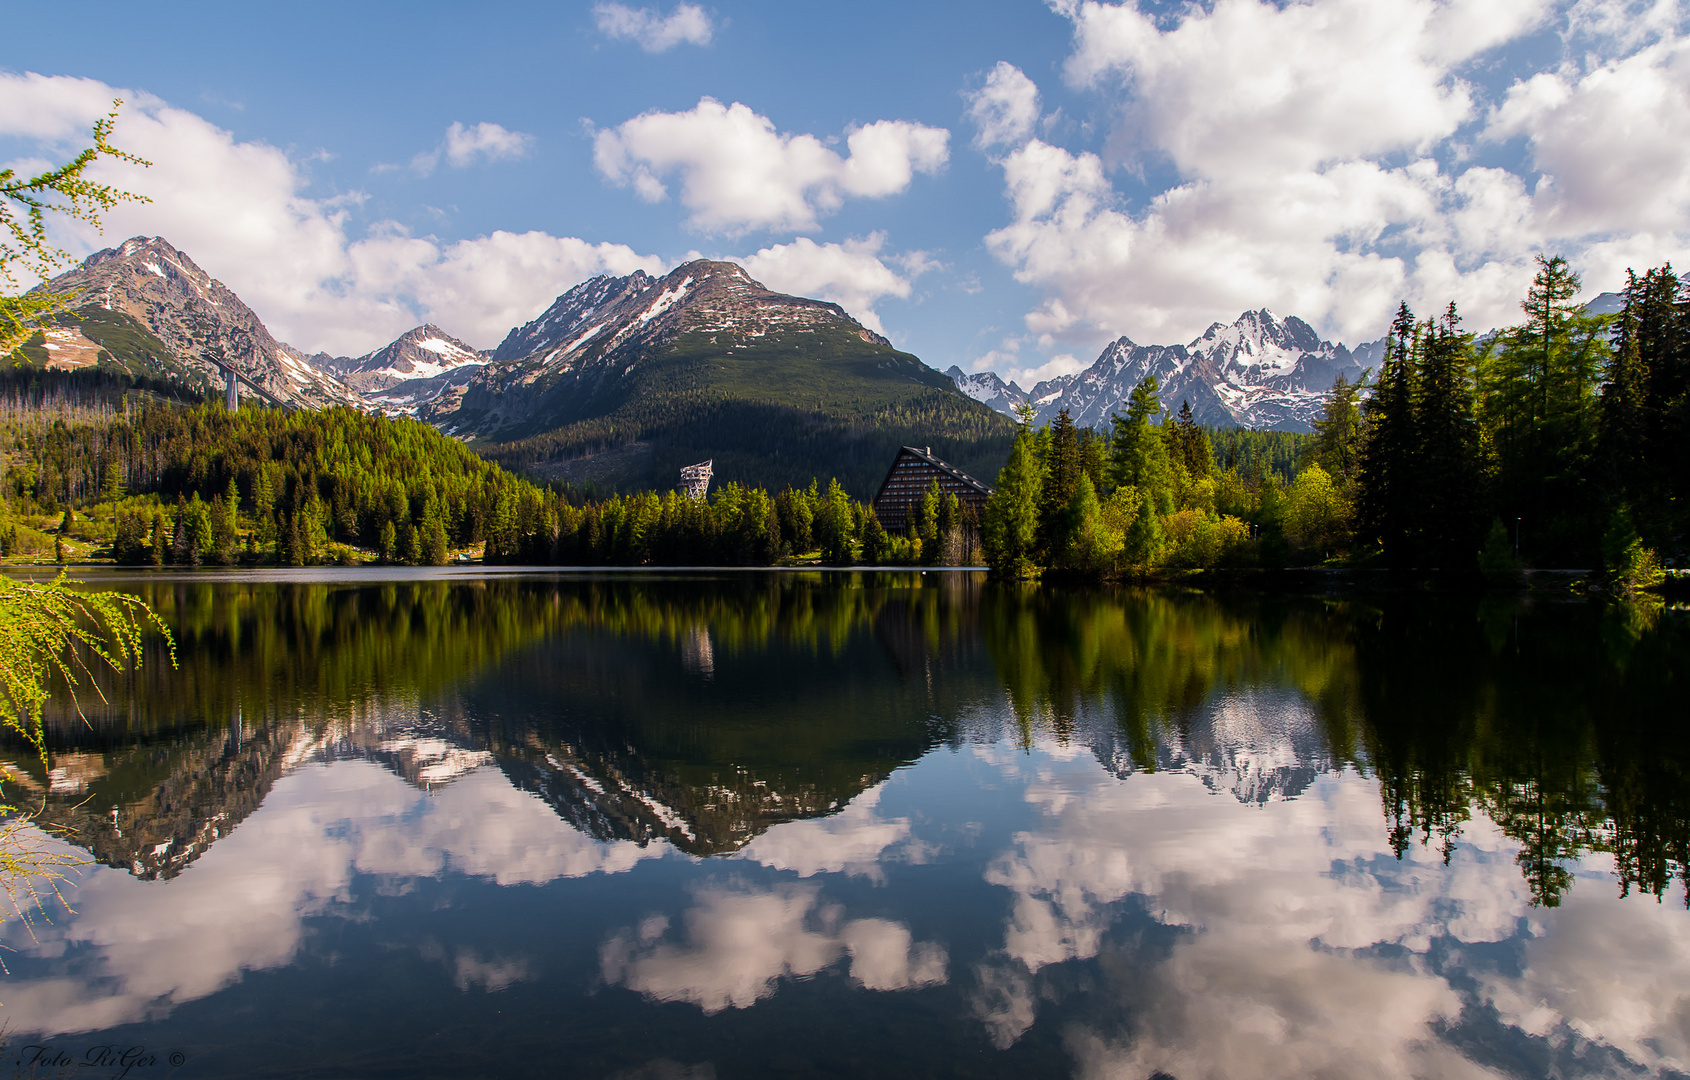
485,141
1614,144
1321,148
155,944
851,274
482,287
1273,900
238,210
688,24
739,943
852,841
1005,109
737,173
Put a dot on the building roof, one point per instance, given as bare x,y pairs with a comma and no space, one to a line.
925,453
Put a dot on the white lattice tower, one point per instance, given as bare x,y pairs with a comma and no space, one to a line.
695,479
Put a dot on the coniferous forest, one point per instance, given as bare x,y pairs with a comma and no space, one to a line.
107,466
1558,443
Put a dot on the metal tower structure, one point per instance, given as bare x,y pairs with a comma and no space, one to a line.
695,479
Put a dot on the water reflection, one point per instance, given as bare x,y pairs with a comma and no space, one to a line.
1123,834
737,943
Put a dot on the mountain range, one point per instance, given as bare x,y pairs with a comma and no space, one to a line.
623,380
1257,372
619,383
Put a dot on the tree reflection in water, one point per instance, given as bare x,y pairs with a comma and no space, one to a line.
704,711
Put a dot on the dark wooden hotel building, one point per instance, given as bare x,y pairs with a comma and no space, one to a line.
906,483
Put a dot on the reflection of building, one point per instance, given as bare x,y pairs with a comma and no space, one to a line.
695,479
912,473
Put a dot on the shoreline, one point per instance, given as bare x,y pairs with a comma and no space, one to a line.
1309,581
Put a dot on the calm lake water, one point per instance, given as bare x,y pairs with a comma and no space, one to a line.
777,824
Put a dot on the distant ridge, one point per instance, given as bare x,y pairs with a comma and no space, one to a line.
1257,372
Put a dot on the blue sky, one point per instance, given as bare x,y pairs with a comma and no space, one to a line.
996,185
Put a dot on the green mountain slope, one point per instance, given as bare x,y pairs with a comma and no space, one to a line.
624,380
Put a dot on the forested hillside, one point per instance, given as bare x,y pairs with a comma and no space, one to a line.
99,466
772,413
1562,442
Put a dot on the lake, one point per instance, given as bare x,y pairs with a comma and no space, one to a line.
693,825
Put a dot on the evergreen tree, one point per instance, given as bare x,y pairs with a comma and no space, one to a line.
158,547
1641,442
434,545
1139,455
1451,480
1063,468
1010,529
1538,412
834,526
926,523
1091,546
875,541
1143,544
1390,475
1196,456
1337,445
1622,439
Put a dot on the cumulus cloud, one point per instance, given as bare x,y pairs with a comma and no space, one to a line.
156,944
737,173
852,841
485,141
688,24
852,274
1320,157
1303,943
1005,109
237,209
739,943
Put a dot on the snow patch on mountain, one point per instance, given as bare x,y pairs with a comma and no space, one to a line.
1255,372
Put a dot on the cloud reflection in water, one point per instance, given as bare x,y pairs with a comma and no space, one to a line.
134,949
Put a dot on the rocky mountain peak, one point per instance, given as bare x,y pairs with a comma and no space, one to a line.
1257,371
638,312
196,316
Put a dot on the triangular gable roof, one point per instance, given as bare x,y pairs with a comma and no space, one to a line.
925,454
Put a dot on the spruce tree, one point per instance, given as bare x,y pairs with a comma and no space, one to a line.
1196,456
1337,446
1449,474
1388,507
1012,513
1138,453
1062,471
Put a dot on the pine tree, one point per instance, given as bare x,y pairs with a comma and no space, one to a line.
1623,436
1091,546
1196,456
1539,416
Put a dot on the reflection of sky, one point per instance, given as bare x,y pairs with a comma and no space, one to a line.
133,949
1157,922
1304,947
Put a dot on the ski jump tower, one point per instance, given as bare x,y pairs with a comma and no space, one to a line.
695,479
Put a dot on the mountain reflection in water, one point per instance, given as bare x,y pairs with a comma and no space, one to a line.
892,818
